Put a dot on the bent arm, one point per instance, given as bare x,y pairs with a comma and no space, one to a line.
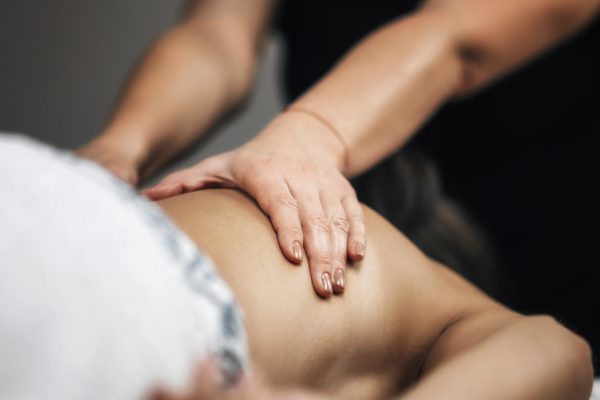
397,77
497,354
194,73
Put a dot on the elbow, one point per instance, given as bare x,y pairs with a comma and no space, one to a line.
242,77
564,357
488,50
576,357
239,58
234,51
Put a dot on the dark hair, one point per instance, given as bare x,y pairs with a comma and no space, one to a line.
406,189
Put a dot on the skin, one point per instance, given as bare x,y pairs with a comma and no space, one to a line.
296,168
411,330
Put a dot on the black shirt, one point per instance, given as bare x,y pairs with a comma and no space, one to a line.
522,156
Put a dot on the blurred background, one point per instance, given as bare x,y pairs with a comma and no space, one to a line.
63,63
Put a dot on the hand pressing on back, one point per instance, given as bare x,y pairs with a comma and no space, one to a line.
292,169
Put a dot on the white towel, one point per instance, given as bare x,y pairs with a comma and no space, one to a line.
100,296
596,391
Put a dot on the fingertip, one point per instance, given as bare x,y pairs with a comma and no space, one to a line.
288,254
150,193
297,251
339,281
159,192
291,246
357,251
323,285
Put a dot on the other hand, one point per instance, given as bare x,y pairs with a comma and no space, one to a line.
113,158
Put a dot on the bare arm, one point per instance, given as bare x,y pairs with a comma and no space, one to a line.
393,81
368,107
493,353
194,73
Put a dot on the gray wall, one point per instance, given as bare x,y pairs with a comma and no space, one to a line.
62,63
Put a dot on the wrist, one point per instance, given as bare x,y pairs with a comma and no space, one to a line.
131,145
297,108
381,92
300,135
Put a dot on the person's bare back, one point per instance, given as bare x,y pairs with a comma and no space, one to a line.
371,342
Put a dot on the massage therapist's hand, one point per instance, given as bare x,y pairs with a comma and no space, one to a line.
292,169
113,157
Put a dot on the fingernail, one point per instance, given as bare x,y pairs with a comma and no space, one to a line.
326,282
359,249
339,280
297,250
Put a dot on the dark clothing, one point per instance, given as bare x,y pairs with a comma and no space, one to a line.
522,156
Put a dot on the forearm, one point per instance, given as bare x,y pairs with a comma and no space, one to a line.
397,77
522,358
190,77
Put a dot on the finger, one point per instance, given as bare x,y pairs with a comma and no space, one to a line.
187,180
338,237
168,187
357,236
315,227
278,203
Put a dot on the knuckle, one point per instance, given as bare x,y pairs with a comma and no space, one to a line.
319,223
339,257
321,262
293,231
287,202
270,201
341,224
348,189
356,219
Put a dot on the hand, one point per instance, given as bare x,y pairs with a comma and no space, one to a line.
114,159
205,387
291,169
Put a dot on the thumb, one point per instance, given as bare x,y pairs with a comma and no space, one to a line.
212,172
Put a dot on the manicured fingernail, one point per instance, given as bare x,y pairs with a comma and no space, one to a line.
359,249
339,280
326,282
297,250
